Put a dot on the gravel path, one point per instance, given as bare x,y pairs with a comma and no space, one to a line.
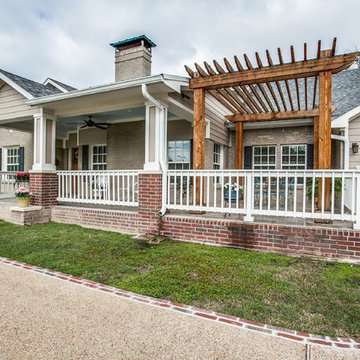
46,318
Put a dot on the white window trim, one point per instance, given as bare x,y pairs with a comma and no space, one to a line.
4,156
253,157
293,166
221,164
92,153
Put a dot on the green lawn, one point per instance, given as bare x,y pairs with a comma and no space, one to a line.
312,296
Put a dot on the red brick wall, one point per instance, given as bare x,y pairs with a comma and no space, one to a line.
337,244
149,203
30,216
111,220
44,186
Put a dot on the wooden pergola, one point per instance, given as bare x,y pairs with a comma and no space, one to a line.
263,93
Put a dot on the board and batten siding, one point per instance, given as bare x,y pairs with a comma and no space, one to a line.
354,137
12,105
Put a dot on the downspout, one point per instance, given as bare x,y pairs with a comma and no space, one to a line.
161,129
346,148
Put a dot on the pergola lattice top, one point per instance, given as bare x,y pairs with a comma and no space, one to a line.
265,92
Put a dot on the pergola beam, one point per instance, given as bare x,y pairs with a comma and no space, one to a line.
279,72
283,115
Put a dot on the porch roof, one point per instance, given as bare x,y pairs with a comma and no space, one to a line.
109,97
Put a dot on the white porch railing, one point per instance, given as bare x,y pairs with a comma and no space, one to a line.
267,192
7,182
110,187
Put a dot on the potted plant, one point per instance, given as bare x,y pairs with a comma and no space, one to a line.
309,188
23,195
22,177
231,190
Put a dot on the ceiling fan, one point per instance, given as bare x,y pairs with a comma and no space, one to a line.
91,123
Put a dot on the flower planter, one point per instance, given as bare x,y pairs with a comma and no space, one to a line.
233,195
23,202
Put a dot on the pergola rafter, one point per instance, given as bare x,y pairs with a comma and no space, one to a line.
264,93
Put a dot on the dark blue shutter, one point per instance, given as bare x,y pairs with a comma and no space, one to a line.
0,158
310,156
85,157
21,158
191,153
248,157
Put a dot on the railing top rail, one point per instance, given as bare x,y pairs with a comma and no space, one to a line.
9,172
272,171
97,171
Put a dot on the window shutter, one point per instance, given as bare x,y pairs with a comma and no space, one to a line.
248,157
310,156
85,157
191,154
21,158
0,159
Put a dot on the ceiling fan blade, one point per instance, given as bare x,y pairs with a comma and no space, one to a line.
84,126
100,127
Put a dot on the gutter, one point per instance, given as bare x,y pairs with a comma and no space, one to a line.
162,127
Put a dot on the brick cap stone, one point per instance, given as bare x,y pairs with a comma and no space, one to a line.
42,171
151,172
26,209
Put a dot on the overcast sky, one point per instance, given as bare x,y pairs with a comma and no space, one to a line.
69,39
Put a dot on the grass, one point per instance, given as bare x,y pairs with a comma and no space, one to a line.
300,294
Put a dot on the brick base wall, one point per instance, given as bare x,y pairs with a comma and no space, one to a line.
110,220
44,186
315,242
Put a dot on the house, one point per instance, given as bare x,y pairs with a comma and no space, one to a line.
114,156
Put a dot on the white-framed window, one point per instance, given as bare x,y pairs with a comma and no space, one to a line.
217,157
293,157
264,157
179,154
11,160
99,157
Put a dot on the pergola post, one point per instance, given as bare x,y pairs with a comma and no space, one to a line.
324,146
316,142
239,145
199,136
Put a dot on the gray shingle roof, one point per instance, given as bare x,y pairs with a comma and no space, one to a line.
345,91
32,87
65,86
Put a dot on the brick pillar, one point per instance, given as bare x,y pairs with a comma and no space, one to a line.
44,186
150,186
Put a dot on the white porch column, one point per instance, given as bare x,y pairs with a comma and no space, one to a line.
155,136
44,142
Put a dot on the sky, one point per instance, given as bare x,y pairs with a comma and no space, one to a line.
68,40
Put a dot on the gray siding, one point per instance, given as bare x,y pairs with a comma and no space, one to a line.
354,137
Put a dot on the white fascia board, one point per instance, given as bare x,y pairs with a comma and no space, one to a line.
16,86
53,83
343,120
148,80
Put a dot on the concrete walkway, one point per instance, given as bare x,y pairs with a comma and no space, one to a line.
47,318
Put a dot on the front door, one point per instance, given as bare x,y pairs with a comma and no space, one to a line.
75,159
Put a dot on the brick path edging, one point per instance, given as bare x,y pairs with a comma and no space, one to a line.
298,336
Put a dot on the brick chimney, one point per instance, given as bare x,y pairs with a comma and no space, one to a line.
132,58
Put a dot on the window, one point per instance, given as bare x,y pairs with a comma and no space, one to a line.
12,159
179,154
99,157
264,157
293,157
217,156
